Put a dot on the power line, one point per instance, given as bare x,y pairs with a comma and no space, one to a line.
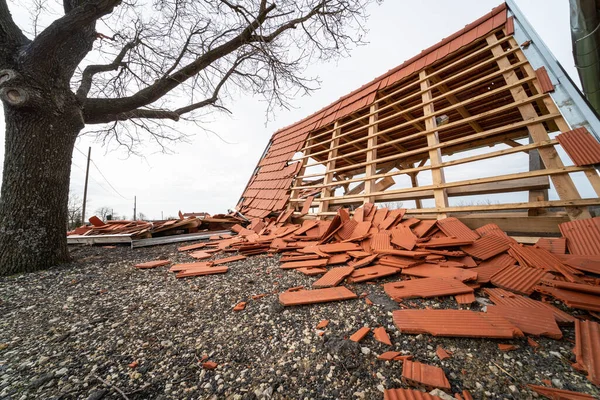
100,172
92,178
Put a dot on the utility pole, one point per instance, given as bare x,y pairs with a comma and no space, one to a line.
87,174
134,207
161,216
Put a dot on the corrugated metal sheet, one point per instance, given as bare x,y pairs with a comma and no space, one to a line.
559,394
487,247
455,323
453,227
581,146
582,301
519,279
316,296
430,376
333,277
407,394
504,297
553,245
544,80
583,236
428,287
371,273
531,321
587,349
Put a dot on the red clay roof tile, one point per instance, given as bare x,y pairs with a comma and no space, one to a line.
456,323
559,394
544,80
311,271
576,287
424,227
363,262
583,236
441,353
339,247
152,264
403,237
428,287
583,263
487,247
316,296
333,277
184,266
504,297
531,321
193,246
587,349
371,273
581,146
519,279
453,227
388,355
381,335
416,373
381,241
407,394
321,262
360,334
228,259
199,271
582,301
465,298
430,270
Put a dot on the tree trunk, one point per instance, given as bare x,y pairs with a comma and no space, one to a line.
35,185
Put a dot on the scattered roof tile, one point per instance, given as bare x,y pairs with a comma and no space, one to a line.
321,262
441,353
428,287
581,146
360,334
559,394
519,279
457,323
587,349
322,324
416,373
583,236
453,227
226,260
487,247
430,271
403,237
199,271
333,277
152,264
407,394
192,247
316,296
388,355
381,335
531,321
371,273
582,301
553,245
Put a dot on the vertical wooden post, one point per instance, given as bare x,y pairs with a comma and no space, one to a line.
298,181
87,174
415,183
562,183
371,169
435,156
333,151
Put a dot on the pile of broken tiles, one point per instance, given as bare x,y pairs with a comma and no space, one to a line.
435,259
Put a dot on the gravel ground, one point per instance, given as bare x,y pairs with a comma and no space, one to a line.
74,331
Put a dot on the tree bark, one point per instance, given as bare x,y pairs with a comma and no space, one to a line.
40,137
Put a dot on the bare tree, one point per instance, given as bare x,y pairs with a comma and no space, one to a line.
133,69
74,212
103,212
141,216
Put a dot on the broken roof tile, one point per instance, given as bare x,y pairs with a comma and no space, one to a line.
388,355
311,271
453,227
416,373
152,264
487,247
583,263
363,262
425,288
381,241
423,227
200,271
403,237
519,279
360,334
333,277
430,270
441,353
191,247
240,306
559,394
322,324
371,273
321,262
301,297
455,323
583,236
339,247
184,266
553,245
504,297
200,255
407,394
492,266
582,301
531,321
228,259
381,335
587,349
465,298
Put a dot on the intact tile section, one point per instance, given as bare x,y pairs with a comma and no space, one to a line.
583,236
487,247
430,270
519,279
455,323
454,228
504,297
371,273
531,321
316,296
152,264
416,373
581,146
200,271
428,287
587,349
333,277
544,80
553,245
407,394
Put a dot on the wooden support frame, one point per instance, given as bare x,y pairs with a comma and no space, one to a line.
370,168
328,179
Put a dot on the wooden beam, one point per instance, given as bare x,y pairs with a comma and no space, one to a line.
435,155
510,206
327,191
370,168
562,183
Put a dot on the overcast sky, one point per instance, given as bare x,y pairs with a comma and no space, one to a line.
210,175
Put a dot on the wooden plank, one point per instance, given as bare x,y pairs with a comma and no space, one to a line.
370,168
327,190
435,155
516,224
511,206
563,184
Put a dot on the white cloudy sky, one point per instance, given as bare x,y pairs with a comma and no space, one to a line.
209,175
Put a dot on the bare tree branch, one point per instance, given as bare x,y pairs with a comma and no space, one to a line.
11,37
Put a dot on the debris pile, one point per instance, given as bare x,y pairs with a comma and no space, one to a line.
433,259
